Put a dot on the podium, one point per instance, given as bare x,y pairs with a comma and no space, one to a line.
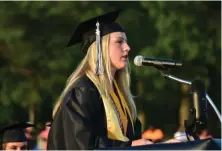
206,144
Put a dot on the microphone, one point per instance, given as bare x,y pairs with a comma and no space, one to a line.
140,60
199,102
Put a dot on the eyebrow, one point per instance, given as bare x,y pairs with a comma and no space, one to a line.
21,146
122,38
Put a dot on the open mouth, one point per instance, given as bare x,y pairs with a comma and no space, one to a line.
125,57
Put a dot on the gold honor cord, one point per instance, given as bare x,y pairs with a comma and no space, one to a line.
122,117
123,101
122,112
114,130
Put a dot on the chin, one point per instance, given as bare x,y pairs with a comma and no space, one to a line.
122,66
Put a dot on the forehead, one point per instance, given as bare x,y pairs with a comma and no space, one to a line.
118,35
29,129
19,144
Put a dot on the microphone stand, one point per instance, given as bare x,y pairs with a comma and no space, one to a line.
167,75
191,125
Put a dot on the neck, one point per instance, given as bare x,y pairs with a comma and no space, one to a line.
113,71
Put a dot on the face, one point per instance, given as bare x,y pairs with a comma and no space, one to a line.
29,132
16,146
118,50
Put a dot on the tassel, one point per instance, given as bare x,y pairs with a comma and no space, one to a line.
99,67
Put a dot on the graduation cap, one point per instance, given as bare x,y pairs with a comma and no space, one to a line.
14,132
93,29
85,31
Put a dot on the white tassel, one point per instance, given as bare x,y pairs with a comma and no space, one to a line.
99,67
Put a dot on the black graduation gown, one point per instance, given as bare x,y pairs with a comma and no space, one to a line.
80,121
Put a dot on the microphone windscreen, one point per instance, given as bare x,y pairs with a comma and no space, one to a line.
138,60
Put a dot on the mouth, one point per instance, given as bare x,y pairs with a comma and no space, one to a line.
125,57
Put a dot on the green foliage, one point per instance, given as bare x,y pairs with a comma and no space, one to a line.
35,63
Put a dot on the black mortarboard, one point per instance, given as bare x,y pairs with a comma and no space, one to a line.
85,31
14,132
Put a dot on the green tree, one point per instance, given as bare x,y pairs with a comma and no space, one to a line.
35,63
188,31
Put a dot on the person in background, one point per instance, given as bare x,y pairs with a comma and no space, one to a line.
204,134
180,135
12,137
30,134
154,134
43,137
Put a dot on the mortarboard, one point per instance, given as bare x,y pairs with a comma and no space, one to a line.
92,30
14,132
85,31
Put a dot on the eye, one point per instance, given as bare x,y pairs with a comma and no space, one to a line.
25,147
120,41
13,148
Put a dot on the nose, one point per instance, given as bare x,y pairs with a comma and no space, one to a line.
126,47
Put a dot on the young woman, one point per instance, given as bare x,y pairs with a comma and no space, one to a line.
96,108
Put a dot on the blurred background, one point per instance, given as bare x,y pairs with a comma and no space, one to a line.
34,63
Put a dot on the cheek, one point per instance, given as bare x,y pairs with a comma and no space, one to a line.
8,147
115,54
116,59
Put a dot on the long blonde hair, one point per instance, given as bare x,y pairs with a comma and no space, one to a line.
88,65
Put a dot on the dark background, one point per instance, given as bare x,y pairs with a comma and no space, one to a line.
34,63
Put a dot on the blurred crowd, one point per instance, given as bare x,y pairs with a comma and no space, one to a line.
157,135
37,140
38,137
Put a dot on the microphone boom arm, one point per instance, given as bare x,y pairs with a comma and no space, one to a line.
189,83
